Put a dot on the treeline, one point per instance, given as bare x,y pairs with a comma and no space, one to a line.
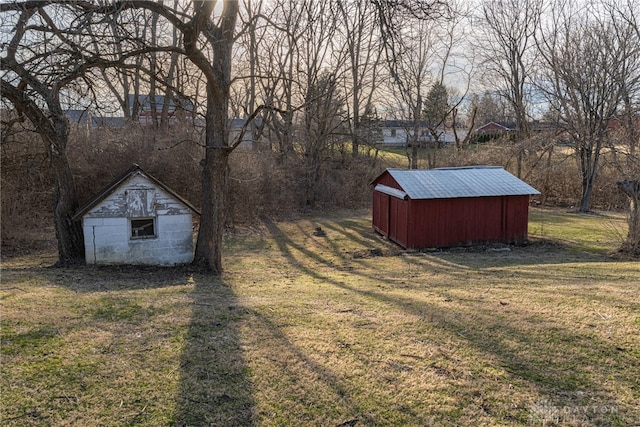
262,184
312,81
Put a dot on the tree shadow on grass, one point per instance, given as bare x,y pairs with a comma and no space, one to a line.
565,368
215,387
457,262
316,393
181,336
570,370
103,278
537,250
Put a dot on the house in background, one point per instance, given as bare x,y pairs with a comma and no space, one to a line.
400,133
80,119
137,220
109,122
536,126
150,108
495,128
86,120
447,207
249,138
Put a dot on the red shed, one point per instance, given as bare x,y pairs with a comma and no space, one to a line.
451,206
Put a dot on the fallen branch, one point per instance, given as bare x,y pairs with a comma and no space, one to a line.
135,414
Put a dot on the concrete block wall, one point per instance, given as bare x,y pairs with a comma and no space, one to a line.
107,241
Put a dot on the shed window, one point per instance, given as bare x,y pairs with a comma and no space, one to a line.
393,132
143,227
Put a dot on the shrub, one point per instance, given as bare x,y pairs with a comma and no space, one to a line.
262,183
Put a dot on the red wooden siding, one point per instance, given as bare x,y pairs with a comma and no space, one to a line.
455,222
381,212
391,217
386,179
399,221
432,223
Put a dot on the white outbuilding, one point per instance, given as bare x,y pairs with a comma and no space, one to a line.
137,220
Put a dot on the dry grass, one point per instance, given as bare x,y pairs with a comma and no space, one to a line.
307,330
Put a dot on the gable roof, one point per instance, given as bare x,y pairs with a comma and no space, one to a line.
86,117
494,126
113,186
77,116
403,124
457,182
145,101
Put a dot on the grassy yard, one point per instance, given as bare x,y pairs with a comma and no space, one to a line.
334,330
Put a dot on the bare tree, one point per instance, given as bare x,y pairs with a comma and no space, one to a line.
124,83
457,70
411,67
244,89
587,61
275,63
322,117
208,34
148,80
492,108
299,67
625,17
317,88
413,47
423,56
220,37
362,52
632,189
507,49
38,67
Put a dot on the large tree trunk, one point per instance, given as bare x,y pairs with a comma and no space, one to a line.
632,189
585,198
68,232
589,158
53,129
214,184
414,156
208,252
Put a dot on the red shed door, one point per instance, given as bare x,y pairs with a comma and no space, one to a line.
398,221
381,212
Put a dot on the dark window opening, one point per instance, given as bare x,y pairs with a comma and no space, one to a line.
144,227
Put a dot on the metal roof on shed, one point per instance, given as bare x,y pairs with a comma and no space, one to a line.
468,181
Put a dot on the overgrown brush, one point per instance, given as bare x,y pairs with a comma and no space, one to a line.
262,182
